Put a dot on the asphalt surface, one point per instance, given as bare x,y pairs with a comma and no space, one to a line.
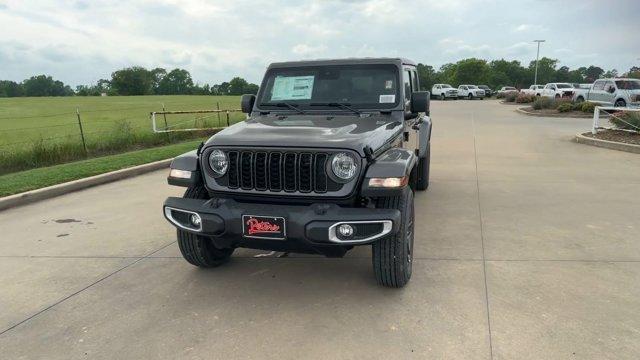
527,247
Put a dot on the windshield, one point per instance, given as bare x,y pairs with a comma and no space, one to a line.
509,88
446,86
472,87
564,86
359,86
628,84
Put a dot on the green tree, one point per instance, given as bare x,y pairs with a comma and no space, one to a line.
593,73
237,86
176,82
427,76
43,85
156,76
132,81
10,88
546,70
613,73
471,71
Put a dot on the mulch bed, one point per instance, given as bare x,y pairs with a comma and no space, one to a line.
555,113
616,135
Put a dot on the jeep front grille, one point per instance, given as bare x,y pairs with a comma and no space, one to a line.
287,171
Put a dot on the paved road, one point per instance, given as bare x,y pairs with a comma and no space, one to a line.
527,247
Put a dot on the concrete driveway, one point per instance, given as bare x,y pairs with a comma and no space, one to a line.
527,247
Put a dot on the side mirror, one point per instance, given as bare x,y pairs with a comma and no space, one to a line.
246,103
420,102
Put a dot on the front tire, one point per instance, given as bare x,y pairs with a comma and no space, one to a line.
620,103
442,97
199,250
393,254
470,96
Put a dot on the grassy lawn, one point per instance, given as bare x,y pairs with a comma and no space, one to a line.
38,132
38,178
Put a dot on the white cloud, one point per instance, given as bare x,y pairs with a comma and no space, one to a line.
308,50
81,41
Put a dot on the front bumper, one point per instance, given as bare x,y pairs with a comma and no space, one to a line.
309,228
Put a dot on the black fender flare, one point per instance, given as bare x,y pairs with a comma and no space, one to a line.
393,163
425,128
189,161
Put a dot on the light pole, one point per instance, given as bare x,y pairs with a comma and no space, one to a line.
535,77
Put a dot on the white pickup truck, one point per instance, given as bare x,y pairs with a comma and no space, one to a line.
444,91
558,90
470,92
533,90
611,92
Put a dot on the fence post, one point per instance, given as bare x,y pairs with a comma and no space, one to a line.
166,126
84,144
596,118
218,107
227,118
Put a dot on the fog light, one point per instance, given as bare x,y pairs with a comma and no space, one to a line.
195,220
345,230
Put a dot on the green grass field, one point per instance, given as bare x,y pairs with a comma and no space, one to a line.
38,178
36,132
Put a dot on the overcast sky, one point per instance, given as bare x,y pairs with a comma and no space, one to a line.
82,41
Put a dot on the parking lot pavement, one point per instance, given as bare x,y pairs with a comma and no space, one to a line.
527,247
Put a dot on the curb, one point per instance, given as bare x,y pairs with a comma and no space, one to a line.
559,115
613,145
75,185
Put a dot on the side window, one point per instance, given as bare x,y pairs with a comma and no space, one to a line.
598,85
414,81
407,86
609,86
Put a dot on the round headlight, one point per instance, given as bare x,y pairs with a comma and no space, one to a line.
344,166
218,162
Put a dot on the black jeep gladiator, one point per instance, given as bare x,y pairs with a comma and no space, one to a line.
328,158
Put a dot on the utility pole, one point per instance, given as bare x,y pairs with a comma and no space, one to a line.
535,78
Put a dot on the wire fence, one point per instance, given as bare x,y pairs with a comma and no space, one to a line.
83,133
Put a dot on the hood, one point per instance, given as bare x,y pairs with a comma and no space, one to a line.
311,131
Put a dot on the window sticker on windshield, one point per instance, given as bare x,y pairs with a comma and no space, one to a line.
387,99
292,88
388,84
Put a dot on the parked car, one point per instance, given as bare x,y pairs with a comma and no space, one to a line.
487,90
470,92
611,92
558,90
533,90
582,86
444,91
328,159
505,89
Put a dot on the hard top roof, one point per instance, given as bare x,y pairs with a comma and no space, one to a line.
347,61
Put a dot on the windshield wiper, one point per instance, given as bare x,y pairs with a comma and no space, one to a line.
345,106
284,104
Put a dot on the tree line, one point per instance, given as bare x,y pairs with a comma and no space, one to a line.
158,81
128,81
498,73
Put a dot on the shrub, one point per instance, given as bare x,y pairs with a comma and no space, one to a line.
565,107
543,103
525,99
627,121
587,107
510,96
